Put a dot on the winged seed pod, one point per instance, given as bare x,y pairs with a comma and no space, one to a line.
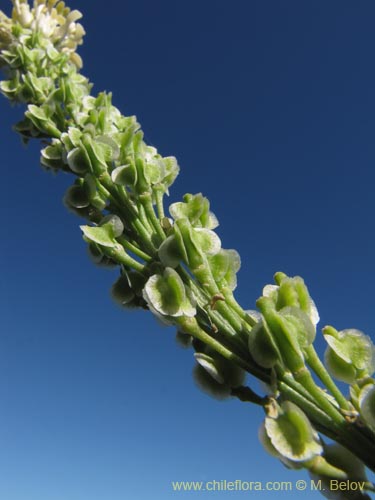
176,267
350,354
291,434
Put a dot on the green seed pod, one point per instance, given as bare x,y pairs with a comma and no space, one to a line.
306,331
208,385
115,222
291,292
78,160
292,434
220,369
125,175
338,368
184,340
196,209
209,364
350,354
76,197
121,291
169,252
269,447
367,404
166,295
284,334
262,347
224,267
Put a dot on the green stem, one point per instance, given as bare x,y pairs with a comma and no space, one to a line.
191,326
159,195
287,378
303,376
132,248
316,414
129,213
144,219
248,395
146,201
321,371
118,254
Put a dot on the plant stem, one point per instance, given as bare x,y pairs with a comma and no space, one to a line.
321,371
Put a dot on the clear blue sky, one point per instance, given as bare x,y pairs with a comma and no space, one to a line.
269,107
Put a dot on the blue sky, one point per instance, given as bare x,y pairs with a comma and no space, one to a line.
270,109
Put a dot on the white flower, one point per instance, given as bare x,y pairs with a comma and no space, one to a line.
54,21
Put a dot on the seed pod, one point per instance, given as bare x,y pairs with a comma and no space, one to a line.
166,295
262,347
292,434
76,197
350,354
121,291
208,385
115,222
367,404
